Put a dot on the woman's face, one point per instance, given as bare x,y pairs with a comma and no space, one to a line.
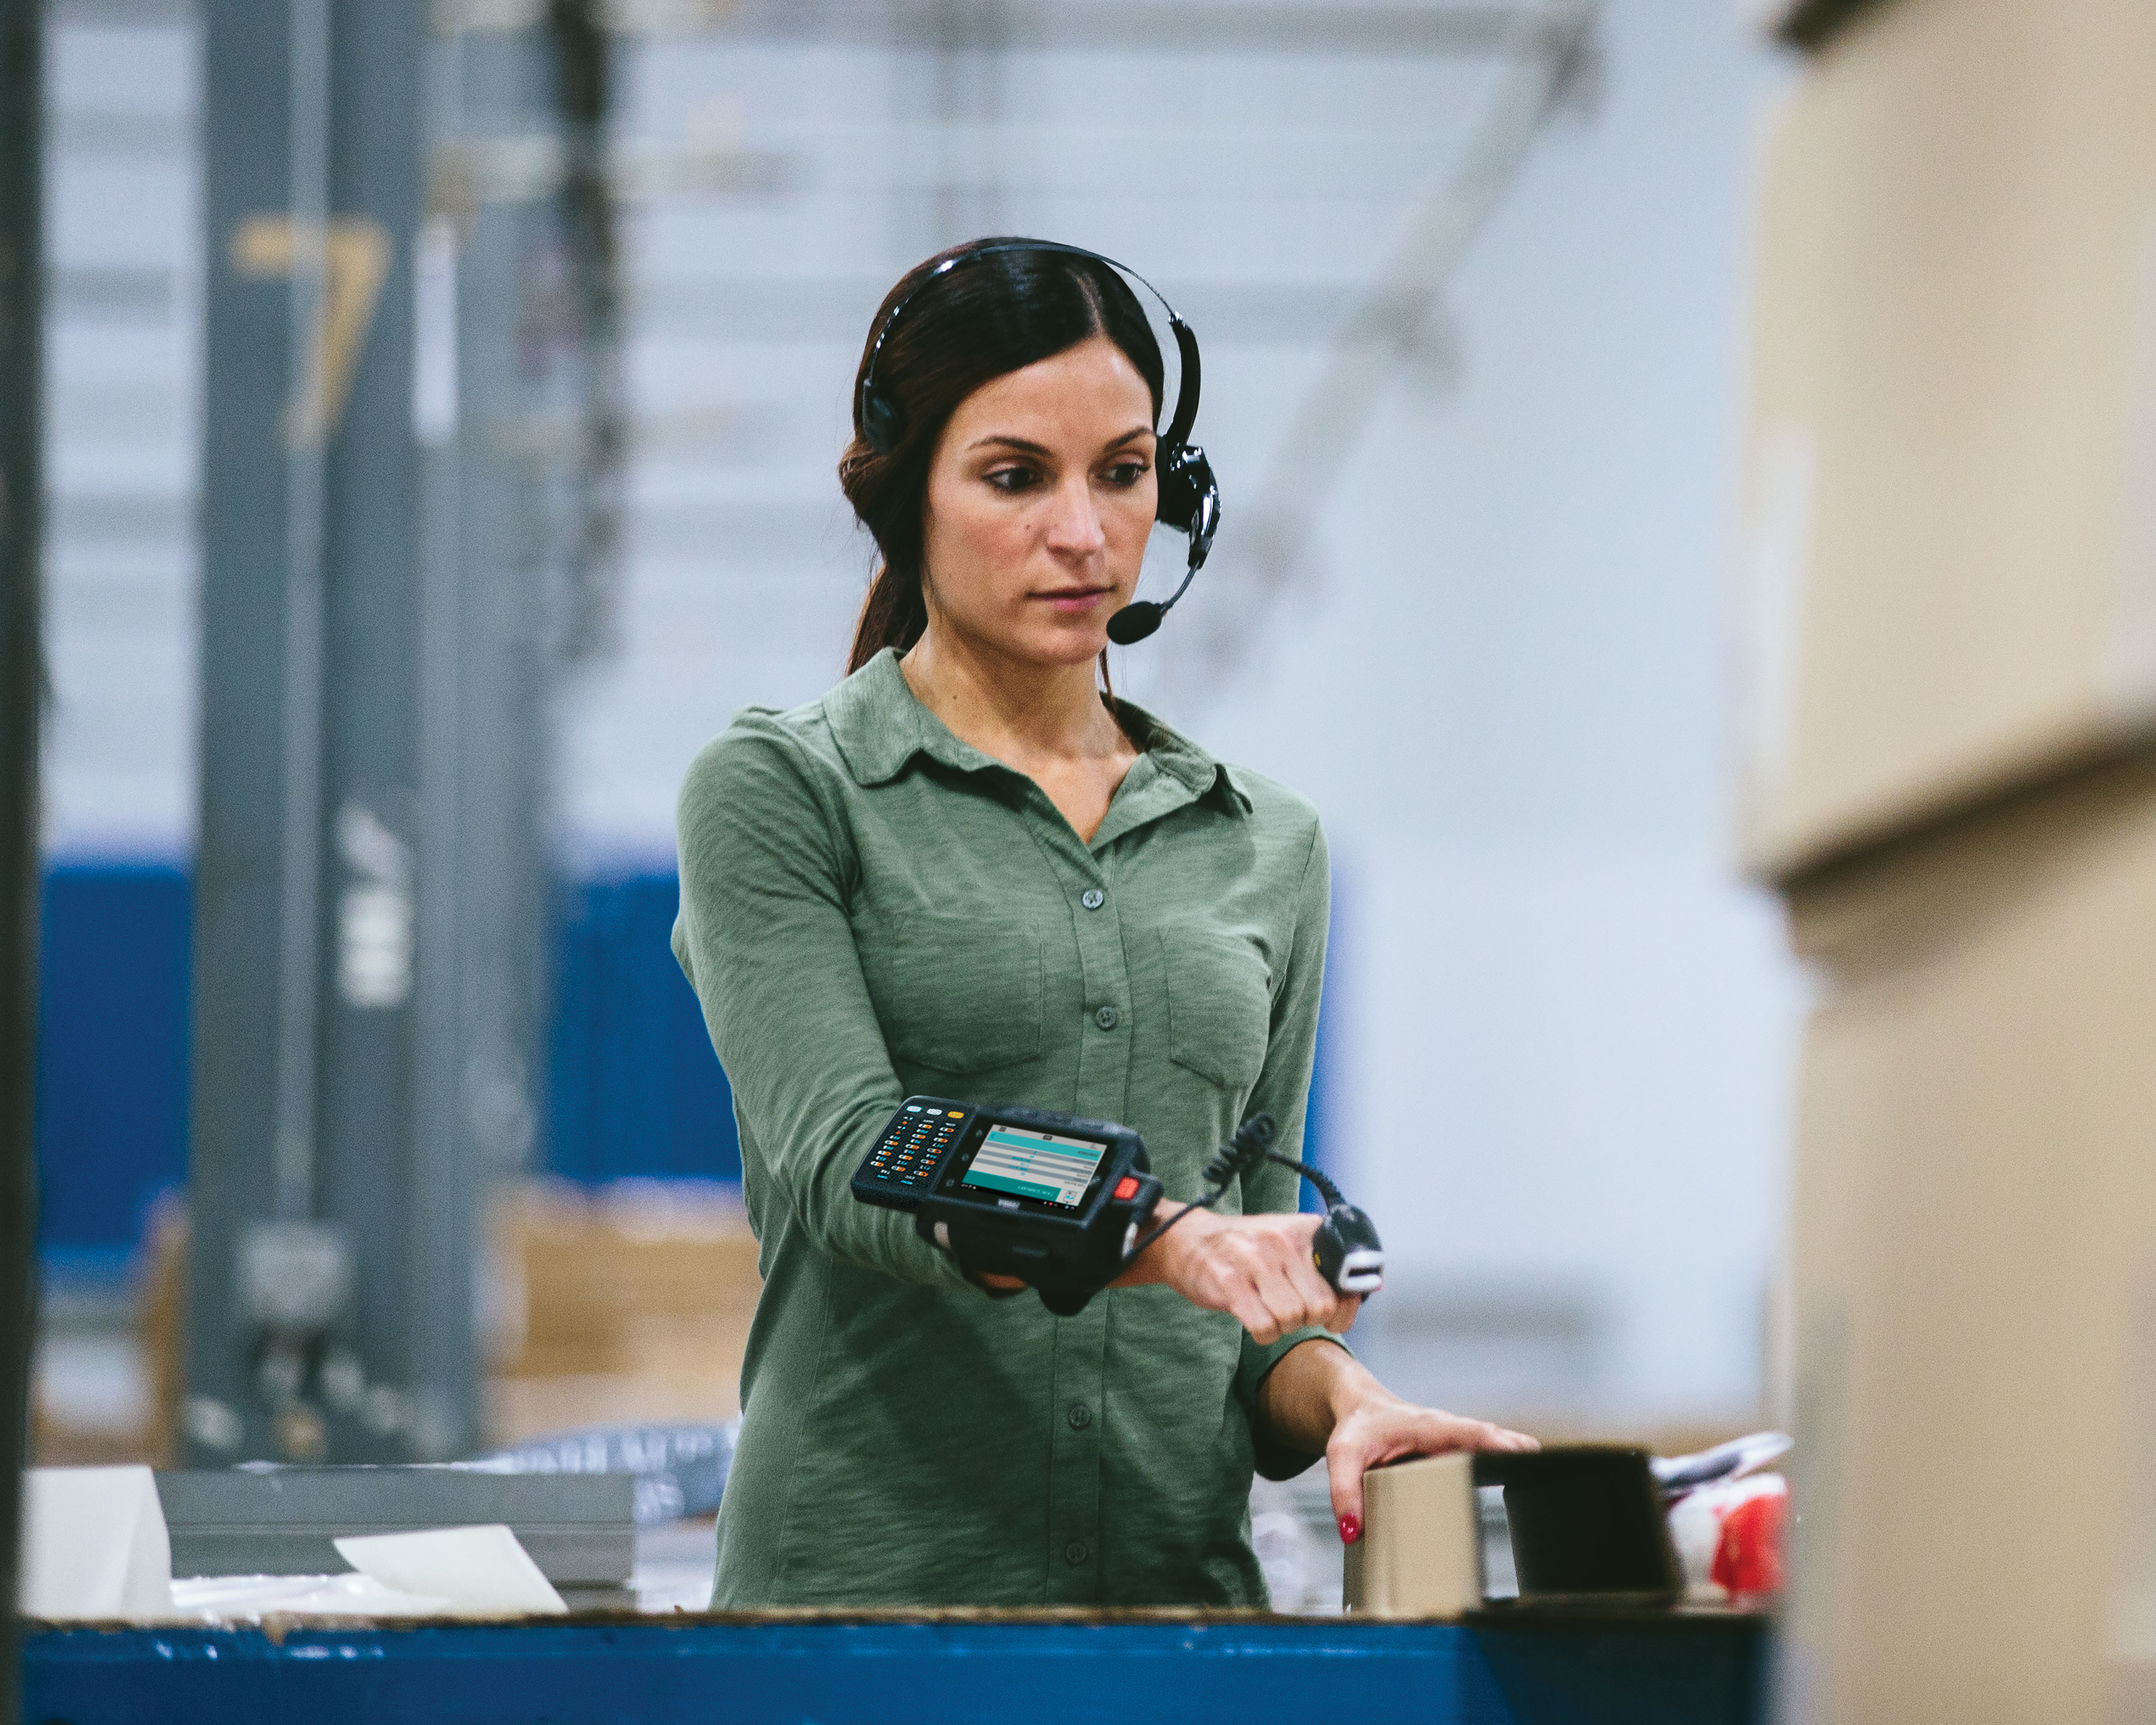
1040,497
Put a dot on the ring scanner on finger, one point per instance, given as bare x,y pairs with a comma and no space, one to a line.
1189,496
1065,1204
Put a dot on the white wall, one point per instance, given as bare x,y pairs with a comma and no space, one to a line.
1568,1031
122,365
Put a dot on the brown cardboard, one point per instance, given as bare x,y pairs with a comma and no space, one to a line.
1420,1554
1974,1246
634,1306
1949,512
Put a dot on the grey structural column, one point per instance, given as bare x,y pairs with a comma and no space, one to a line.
322,1324
520,411
21,680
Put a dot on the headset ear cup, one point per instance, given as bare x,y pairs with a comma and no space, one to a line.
1179,487
1189,498
882,423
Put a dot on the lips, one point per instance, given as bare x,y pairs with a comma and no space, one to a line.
1074,599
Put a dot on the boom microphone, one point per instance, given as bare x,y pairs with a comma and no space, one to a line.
1134,623
1142,617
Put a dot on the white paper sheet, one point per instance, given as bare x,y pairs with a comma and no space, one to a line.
476,1572
95,1545
228,1598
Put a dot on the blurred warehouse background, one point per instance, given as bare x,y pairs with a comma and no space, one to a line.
1469,279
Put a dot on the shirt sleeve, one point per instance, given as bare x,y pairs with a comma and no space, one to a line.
1283,1092
765,939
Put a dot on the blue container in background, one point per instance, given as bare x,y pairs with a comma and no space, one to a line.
112,1056
635,1088
634,1091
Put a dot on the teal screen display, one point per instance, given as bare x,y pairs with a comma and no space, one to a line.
1044,1166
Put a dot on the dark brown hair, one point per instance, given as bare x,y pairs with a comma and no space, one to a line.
990,317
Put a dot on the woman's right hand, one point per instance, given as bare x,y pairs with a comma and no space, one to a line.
1257,1268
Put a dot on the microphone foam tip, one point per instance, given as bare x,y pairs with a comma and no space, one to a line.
1134,623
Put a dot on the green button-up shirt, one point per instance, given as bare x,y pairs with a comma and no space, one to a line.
871,908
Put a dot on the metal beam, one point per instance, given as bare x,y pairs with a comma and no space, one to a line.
21,680
523,559
836,309
1154,26
119,14
1142,26
315,1307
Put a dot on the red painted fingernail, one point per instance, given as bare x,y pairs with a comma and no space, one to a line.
1351,1529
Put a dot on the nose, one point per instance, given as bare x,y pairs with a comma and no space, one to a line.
1074,519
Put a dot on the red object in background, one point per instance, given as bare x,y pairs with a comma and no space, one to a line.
1748,1560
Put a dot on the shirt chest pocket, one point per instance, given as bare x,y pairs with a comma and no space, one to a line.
955,993
1220,1006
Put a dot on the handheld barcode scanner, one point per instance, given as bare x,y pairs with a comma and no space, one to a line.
1062,1203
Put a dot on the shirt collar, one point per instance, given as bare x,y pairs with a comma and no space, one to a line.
880,725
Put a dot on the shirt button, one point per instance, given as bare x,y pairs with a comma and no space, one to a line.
1092,898
1080,1416
1106,1018
1075,1553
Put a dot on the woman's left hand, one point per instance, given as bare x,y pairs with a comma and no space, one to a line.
1383,1428
1320,1396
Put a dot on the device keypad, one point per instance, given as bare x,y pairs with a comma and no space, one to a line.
914,1143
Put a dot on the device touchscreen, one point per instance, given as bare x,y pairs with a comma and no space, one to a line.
1049,1168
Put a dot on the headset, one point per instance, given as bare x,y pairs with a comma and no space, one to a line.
1189,495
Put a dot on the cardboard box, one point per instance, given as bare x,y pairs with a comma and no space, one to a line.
1420,1554
1974,1269
1949,533
632,1304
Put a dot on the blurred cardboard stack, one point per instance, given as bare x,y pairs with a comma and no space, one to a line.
629,1303
1951,774
616,1304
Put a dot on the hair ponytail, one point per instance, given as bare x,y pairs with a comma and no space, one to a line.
894,614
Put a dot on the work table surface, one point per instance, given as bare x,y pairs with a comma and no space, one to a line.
1497,1667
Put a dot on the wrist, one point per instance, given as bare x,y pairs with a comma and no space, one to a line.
1164,1261
1186,1242
1350,1386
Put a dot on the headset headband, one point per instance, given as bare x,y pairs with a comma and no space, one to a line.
1188,380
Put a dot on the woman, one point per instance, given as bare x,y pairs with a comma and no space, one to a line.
966,871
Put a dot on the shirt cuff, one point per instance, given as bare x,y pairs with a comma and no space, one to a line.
1272,1459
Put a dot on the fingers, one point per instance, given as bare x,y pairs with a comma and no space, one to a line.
1388,1430
1346,1469
1324,1303
1283,1301
1243,1288
1439,1432
1253,1309
1258,1269
1274,1253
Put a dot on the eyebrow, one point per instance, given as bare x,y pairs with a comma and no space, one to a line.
1034,448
